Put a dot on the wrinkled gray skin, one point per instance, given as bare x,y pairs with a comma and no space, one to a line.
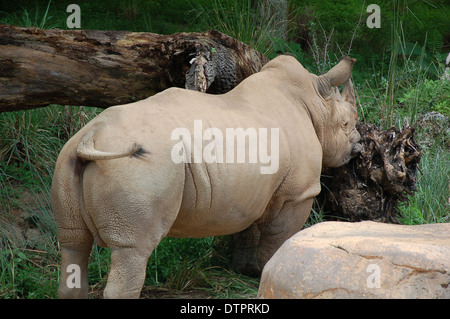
115,181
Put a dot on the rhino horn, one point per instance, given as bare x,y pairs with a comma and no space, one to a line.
338,75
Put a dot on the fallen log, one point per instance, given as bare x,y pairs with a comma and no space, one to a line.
104,68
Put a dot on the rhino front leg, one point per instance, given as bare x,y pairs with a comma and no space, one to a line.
245,257
287,222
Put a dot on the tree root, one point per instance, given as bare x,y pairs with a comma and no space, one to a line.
372,185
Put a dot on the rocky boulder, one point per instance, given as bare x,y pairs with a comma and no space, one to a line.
361,260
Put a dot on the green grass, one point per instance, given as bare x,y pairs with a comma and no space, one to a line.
29,265
36,16
431,202
240,21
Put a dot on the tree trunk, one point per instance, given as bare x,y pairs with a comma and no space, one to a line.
105,68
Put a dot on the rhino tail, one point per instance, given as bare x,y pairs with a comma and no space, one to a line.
87,151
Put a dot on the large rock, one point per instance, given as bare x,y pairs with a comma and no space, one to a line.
361,260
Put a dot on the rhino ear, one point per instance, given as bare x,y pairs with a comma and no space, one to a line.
338,75
337,94
348,94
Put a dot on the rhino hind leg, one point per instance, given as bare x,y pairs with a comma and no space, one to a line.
127,274
131,250
123,198
73,282
74,237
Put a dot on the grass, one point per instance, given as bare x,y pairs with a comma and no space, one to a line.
389,90
34,17
239,20
29,263
430,204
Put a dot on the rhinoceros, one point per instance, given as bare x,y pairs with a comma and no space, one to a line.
133,175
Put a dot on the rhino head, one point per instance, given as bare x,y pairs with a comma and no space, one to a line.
339,134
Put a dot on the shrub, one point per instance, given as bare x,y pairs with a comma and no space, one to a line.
428,95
